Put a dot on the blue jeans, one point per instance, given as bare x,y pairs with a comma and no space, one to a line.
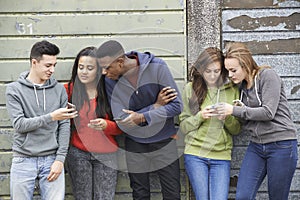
277,160
24,172
209,178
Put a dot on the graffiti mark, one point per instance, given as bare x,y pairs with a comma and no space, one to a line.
21,28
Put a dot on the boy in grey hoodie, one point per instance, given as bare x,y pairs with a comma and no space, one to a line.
37,105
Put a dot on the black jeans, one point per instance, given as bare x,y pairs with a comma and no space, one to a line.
159,157
93,175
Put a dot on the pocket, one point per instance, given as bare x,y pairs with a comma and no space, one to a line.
18,159
285,144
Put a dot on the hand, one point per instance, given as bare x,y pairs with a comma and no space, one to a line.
133,119
64,113
98,124
224,109
166,95
208,112
55,170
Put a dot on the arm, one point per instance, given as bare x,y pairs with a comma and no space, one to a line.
25,124
172,108
188,121
63,132
270,89
232,124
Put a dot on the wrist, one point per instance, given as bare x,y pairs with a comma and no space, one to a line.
156,105
142,118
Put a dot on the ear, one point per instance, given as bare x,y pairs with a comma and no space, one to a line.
120,61
33,62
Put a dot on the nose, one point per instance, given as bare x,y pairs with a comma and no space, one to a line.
52,69
85,70
104,72
230,74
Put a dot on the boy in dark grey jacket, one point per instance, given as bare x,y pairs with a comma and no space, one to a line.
37,105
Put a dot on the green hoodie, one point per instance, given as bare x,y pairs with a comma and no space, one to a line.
209,138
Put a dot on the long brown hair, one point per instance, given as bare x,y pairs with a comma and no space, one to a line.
207,57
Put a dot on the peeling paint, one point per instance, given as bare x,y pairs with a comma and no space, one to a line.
245,22
295,89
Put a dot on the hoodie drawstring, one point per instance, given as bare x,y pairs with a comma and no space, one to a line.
256,92
44,93
37,99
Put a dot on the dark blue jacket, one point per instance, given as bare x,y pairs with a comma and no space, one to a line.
153,75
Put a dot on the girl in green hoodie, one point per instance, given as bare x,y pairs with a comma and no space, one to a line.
208,140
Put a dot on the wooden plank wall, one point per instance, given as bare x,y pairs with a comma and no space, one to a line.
157,26
271,30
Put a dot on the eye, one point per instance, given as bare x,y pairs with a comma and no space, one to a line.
91,67
80,67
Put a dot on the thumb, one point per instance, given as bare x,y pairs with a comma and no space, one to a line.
127,111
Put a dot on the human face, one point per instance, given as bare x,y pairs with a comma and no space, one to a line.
212,73
235,70
111,67
87,70
42,70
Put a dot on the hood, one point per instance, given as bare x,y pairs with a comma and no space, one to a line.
48,84
144,58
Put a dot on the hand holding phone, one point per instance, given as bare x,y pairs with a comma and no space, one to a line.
70,105
238,102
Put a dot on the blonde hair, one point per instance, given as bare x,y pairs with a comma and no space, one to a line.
241,52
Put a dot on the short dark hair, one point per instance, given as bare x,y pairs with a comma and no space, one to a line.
43,48
111,48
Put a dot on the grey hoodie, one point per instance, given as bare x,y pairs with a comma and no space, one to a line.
266,113
29,107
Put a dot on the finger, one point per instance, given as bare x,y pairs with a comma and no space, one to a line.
165,89
127,111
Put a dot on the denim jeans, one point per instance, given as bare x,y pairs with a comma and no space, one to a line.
277,160
93,175
209,177
24,172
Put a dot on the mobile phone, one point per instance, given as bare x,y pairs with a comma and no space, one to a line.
118,119
70,105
